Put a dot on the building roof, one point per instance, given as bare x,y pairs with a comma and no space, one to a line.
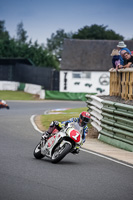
13,61
89,55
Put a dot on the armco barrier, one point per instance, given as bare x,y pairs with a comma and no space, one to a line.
114,121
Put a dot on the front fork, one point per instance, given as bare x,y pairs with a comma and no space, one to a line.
43,142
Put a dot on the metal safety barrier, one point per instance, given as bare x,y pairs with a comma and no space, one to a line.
114,121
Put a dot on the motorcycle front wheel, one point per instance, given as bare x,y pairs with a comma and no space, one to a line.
37,152
60,152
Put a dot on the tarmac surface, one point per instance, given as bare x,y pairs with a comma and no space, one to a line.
98,146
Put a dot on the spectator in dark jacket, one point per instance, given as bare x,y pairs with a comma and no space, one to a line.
122,46
128,60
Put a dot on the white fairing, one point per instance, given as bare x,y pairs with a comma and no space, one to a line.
2,101
75,134
47,149
76,126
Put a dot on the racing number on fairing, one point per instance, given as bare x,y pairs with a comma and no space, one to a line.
75,135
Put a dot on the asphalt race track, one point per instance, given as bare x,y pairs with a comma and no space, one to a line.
76,177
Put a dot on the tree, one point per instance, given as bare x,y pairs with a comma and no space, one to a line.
4,35
97,32
41,56
50,55
21,33
55,43
4,40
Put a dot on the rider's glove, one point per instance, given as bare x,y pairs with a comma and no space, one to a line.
58,124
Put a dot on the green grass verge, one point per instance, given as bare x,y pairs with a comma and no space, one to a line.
17,95
62,116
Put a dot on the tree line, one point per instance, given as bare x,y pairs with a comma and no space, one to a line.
49,55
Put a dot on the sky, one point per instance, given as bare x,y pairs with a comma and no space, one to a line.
41,18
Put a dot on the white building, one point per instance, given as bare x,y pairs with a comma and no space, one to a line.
84,81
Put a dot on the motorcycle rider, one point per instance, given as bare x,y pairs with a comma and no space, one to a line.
82,120
3,104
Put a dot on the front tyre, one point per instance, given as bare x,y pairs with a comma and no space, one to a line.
37,152
60,152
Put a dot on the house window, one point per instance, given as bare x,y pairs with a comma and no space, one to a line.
81,74
76,75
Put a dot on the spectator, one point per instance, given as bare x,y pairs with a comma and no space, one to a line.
122,53
122,46
115,59
128,60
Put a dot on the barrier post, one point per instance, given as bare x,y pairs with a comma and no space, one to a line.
130,95
121,83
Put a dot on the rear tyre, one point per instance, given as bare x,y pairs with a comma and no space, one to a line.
37,152
60,152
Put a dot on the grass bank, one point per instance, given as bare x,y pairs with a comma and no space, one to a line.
61,116
17,95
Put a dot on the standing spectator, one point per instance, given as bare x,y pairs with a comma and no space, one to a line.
122,46
115,58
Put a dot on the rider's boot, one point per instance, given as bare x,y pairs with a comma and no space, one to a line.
44,138
76,151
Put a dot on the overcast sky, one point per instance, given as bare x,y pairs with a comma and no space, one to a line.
41,18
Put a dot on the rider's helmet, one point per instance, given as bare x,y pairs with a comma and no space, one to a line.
85,118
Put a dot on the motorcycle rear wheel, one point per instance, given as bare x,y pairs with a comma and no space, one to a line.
37,152
60,152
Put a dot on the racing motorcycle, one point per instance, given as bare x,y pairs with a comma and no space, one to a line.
60,143
3,104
